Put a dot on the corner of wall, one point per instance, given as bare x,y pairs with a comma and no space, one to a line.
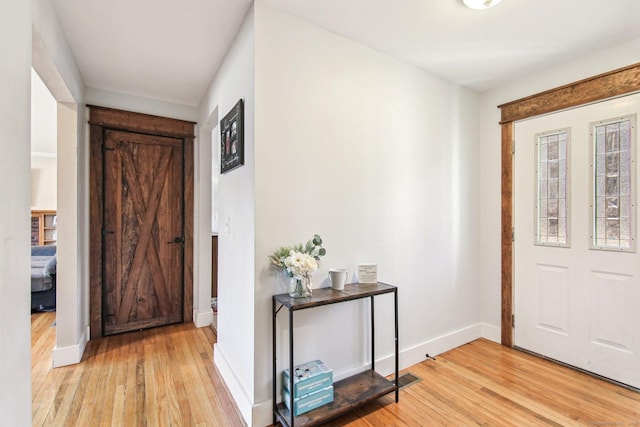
263,414
70,355
245,406
491,332
202,318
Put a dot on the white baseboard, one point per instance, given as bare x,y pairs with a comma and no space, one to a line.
386,365
245,406
64,356
202,319
417,353
263,414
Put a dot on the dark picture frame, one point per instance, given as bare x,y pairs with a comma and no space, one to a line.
232,138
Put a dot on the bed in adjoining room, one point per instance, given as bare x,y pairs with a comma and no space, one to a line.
43,278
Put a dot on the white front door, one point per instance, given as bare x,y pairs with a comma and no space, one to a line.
577,268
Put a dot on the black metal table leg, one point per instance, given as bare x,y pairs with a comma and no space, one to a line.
395,300
291,373
273,350
373,336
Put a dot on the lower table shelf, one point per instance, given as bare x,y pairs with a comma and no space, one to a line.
347,394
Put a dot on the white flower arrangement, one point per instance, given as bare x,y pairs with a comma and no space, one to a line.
299,261
300,264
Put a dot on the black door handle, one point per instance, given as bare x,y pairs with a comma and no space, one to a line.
179,239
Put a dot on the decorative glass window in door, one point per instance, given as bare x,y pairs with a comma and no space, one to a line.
613,201
552,195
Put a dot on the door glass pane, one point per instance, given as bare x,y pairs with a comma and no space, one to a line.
552,179
612,177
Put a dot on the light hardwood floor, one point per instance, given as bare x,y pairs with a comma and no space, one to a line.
157,377
484,383
165,376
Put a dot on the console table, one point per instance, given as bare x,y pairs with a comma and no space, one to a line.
349,392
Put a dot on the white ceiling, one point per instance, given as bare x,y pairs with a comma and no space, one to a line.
167,50
159,49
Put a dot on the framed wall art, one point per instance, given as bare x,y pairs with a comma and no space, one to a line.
232,138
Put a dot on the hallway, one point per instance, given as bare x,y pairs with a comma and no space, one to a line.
162,376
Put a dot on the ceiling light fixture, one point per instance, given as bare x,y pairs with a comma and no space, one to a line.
480,4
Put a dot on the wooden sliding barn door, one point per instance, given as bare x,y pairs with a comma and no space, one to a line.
143,231
141,214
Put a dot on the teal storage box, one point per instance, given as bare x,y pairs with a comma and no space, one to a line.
309,377
309,401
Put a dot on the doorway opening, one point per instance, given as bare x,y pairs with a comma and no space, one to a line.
609,85
71,224
44,197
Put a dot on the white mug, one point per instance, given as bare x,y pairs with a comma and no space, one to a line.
338,277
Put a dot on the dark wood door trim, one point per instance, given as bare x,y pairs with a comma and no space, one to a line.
100,120
138,122
622,81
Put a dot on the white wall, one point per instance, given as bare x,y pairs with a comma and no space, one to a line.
43,117
234,351
380,159
43,146
610,59
105,98
71,318
15,77
44,182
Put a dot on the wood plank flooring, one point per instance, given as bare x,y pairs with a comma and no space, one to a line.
165,377
157,377
484,383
